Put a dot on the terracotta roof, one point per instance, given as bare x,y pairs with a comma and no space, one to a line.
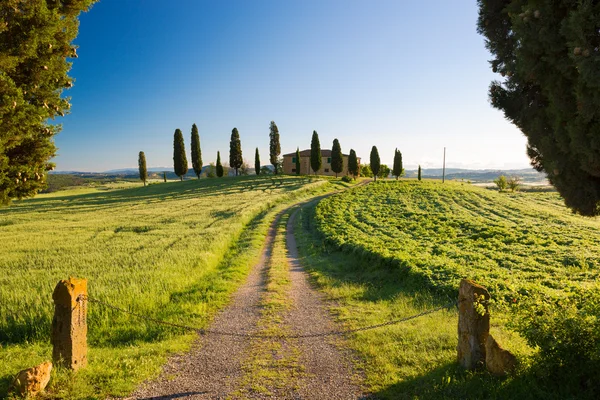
306,153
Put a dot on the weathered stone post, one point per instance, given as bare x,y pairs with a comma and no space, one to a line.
473,324
69,325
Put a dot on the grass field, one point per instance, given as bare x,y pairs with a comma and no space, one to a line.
394,249
173,251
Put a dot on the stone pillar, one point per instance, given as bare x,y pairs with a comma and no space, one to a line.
69,325
473,324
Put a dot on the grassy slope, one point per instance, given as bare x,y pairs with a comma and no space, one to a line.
168,250
373,225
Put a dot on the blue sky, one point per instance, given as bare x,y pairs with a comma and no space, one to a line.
406,74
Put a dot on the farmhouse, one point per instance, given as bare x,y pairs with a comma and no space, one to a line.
289,163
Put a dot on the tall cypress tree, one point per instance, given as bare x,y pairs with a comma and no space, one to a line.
315,153
142,167
397,170
196,152
257,162
179,160
219,165
235,151
36,43
337,159
274,146
353,163
375,162
297,160
419,173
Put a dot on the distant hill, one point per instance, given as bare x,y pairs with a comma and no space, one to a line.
527,175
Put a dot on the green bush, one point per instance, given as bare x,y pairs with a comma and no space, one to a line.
347,178
567,333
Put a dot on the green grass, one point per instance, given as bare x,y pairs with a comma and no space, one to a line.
391,250
174,251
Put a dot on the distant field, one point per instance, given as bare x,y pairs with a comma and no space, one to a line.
158,250
511,243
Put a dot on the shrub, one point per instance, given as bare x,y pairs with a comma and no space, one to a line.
501,182
347,178
514,182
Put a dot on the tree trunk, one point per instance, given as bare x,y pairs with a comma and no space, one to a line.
181,178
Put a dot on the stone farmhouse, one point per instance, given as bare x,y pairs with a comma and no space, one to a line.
289,163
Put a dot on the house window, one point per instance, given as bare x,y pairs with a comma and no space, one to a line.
326,169
293,169
328,161
294,160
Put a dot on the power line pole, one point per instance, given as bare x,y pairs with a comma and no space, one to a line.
444,168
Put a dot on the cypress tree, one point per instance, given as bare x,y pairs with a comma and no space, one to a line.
179,159
196,152
315,153
165,176
337,159
235,151
257,162
397,170
274,146
219,166
547,55
298,161
142,167
353,163
375,162
36,43
419,173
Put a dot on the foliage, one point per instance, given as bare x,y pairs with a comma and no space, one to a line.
315,153
337,159
264,170
235,151
398,170
384,171
245,169
419,173
219,165
35,42
298,166
513,183
365,171
347,178
196,151
256,162
501,182
353,164
375,162
274,146
179,159
142,167
547,54
211,171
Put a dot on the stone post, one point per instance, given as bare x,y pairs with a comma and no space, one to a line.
69,325
473,324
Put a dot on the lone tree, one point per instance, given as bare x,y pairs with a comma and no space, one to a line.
298,161
142,167
315,153
274,146
196,152
235,151
375,162
179,160
256,162
219,165
549,88
353,163
419,173
397,170
337,159
35,42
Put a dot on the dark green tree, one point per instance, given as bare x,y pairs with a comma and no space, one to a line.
165,176
337,159
547,54
142,167
235,151
419,173
179,160
219,165
257,162
298,166
196,152
315,153
375,162
36,41
353,164
397,170
274,146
